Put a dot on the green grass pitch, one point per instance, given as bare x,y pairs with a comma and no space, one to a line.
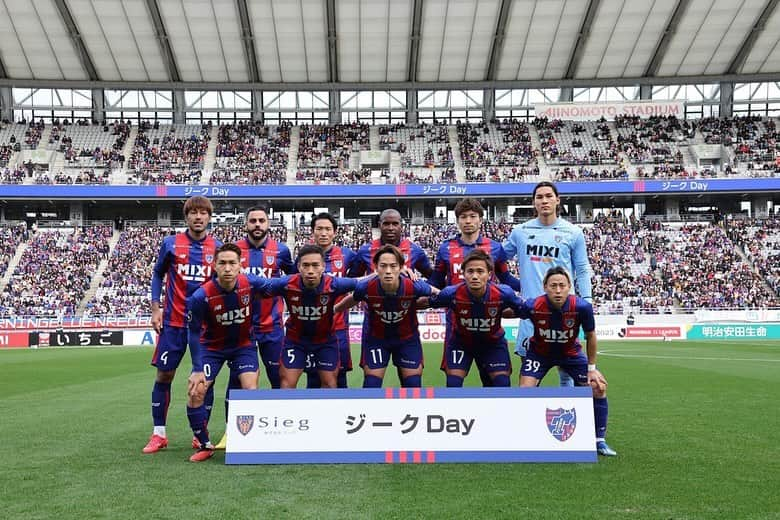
696,426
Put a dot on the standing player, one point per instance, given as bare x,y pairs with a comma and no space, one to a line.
185,261
338,260
447,267
390,325
261,255
310,296
557,317
477,335
220,330
544,242
390,228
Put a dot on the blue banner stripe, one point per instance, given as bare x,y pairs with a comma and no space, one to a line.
385,190
373,457
440,393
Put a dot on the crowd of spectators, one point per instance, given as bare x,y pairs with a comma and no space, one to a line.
654,139
759,241
507,143
423,145
10,238
55,271
252,153
331,146
584,173
87,176
333,176
165,151
576,143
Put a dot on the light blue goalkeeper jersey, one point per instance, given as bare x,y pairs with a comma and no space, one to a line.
537,248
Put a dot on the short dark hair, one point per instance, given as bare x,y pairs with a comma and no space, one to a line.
197,202
389,249
478,255
324,216
469,204
258,207
310,249
226,248
386,213
556,270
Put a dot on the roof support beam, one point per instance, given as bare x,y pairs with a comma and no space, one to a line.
3,73
497,47
333,54
750,39
78,42
663,44
162,39
582,38
248,39
414,41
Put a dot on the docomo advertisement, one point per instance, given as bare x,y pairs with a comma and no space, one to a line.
421,425
593,111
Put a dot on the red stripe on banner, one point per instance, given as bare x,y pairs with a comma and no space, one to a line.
388,393
416,393
162,190
402,393
429,392
417,457
388,457
639,186
430,457
402,457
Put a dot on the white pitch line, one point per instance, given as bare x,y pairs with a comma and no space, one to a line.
691,358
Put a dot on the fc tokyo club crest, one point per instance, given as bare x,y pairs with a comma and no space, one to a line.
270,260
244,423
324,299
492,312
562,423
245,299
569,323
558,238
337,264
209,259
405,304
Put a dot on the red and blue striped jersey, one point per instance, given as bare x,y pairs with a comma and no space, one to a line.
477,320
556,331
220,319
414,257
186,264
449,258
338,261
269,260
390,316
311,310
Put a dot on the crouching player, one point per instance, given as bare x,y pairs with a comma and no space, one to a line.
476,305
557,317
390,325
220,326
310,296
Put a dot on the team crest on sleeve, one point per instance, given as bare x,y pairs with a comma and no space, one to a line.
244,423
561,423
324,299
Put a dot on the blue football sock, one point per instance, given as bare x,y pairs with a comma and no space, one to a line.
484,376
197,418
501,380
313,380
454,381
412,381
161,398
600,414
372,382
341,379
208,402
272,371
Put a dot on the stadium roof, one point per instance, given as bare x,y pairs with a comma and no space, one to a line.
256,43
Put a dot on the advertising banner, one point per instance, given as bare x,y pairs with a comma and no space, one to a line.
75,338
735,331
411,425
14,339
